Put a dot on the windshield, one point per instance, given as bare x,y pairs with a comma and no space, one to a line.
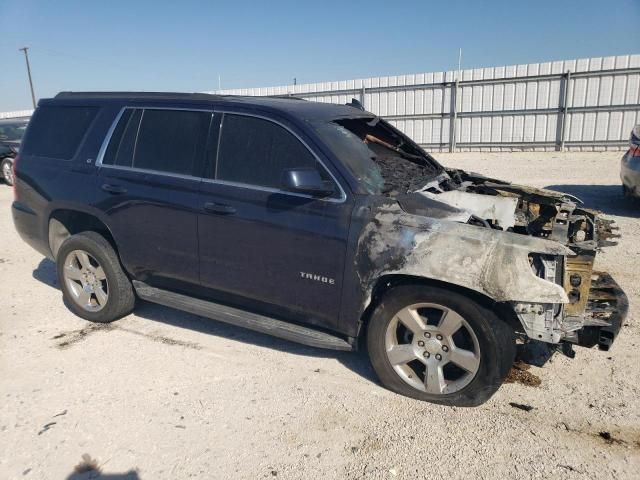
12,132
381,158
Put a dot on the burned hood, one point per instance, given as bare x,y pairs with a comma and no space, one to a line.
519,209
431,206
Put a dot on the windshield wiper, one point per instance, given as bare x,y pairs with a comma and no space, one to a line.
402,153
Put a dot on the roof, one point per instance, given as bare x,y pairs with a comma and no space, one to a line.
289,105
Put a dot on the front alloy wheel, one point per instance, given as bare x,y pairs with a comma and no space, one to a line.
432,348
439,345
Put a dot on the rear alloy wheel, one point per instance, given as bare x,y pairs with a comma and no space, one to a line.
93,282
439,345
7,171
86,281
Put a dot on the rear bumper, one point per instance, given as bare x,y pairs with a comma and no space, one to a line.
605,313
28,226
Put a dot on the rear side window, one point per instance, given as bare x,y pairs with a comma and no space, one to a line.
120,150
56,131
256,152
171,141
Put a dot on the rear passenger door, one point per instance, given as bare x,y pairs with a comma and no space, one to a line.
279,251
150,173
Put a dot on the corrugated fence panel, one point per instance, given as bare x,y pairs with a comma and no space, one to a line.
586,104
17,114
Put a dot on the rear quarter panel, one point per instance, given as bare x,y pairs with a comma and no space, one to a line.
44,185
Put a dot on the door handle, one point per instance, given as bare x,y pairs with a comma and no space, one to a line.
219,208
115,189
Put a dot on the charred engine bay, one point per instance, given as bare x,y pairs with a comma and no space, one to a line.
492,203
424,187
401,175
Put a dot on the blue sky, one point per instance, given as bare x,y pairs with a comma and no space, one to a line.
185,45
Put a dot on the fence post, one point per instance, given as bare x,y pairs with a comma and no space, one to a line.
453,116
362,92
562,110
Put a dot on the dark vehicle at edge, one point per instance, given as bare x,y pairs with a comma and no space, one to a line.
317,223
11,133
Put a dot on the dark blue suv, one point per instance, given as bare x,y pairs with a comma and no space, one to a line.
317,223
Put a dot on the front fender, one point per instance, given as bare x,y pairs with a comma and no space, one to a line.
491,262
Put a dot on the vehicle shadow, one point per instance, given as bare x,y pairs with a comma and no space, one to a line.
94,475
358,362
606,198
46,273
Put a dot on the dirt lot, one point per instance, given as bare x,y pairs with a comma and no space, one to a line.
164,394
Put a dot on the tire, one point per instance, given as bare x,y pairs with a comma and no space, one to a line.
631,199
7,171
420,366
94,286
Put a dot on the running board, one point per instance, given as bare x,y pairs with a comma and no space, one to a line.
234,316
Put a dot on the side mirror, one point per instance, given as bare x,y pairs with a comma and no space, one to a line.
307,180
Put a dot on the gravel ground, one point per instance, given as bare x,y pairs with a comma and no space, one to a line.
164,394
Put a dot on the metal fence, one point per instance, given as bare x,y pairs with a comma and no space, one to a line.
585,104
18,114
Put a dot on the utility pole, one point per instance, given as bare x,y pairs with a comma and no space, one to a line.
26,57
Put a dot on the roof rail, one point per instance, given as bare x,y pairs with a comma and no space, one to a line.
286,95
194,96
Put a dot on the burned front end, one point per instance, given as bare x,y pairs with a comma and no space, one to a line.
531,250
595,305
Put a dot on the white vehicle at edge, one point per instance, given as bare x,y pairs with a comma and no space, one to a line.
630,166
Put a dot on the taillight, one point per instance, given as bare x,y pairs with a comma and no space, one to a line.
15,177
634,150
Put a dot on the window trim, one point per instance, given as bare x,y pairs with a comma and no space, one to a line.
107,140
223,111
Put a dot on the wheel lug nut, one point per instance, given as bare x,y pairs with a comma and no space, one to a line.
438,356
426,354
439,337
427,335
421,343
445,348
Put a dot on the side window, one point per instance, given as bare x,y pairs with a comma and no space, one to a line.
172,141
120,149
256,152
56,132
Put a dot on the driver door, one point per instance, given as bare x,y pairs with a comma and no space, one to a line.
280,250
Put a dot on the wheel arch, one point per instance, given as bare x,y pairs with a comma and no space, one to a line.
64,222
387,282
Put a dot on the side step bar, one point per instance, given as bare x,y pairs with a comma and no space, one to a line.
234,316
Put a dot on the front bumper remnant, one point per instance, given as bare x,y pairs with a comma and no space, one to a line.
603,308
606,310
